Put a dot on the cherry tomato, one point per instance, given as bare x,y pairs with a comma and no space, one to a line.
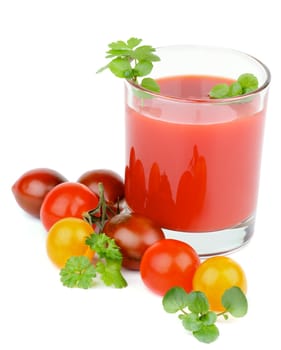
112,183
31,188
69,199
169,263
217,274
133,233
66,238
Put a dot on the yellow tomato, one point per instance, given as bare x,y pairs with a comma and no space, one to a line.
217,274
66,238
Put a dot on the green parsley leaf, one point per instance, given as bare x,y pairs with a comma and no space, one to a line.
110,273
175,300
78,272
121,67
235,302
131,61
133,42
143,68
150,84
207,334
104,246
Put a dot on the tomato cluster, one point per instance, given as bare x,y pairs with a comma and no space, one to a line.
71,211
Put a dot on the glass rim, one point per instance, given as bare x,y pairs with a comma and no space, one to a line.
209,100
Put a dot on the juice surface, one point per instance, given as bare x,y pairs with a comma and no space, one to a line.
193,166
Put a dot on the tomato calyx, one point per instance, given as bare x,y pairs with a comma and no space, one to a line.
102,212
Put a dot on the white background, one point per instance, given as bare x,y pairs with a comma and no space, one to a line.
57,113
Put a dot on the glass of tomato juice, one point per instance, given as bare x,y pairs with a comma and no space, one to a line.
192,162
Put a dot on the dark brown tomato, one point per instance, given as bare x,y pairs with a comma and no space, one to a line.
133,233
32,187
112,183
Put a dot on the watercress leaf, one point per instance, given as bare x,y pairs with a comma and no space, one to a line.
110,272
235,302
207,334
209,318
175,299
198,302
191,322
143,68
219,91
78,272
133,42
235,89
248,82
150,84
121,67
117,45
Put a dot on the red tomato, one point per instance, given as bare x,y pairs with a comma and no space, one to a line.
133,233
69,199
112,183
169,263
32,187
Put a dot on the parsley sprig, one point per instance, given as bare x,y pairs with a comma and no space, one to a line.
245,83
196,315
79,271
132,61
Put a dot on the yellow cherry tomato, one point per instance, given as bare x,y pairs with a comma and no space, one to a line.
66,238
215,275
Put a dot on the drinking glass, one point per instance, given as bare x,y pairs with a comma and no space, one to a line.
193,162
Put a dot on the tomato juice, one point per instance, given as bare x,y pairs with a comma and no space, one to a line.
193,163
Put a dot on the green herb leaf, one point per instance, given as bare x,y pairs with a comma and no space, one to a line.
207,334
78,272
121,67
198,302
248,82
219,91
145,53
235,302
133,42
235,89
175,300
191,322
130,61
118,45
110,272
143,68
208,318
104,246
198,319
245,83
150,84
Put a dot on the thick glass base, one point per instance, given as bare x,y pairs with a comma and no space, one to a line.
216,242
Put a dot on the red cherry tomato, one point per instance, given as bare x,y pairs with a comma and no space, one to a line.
112,183
32,187
169,263
69,199
133,233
